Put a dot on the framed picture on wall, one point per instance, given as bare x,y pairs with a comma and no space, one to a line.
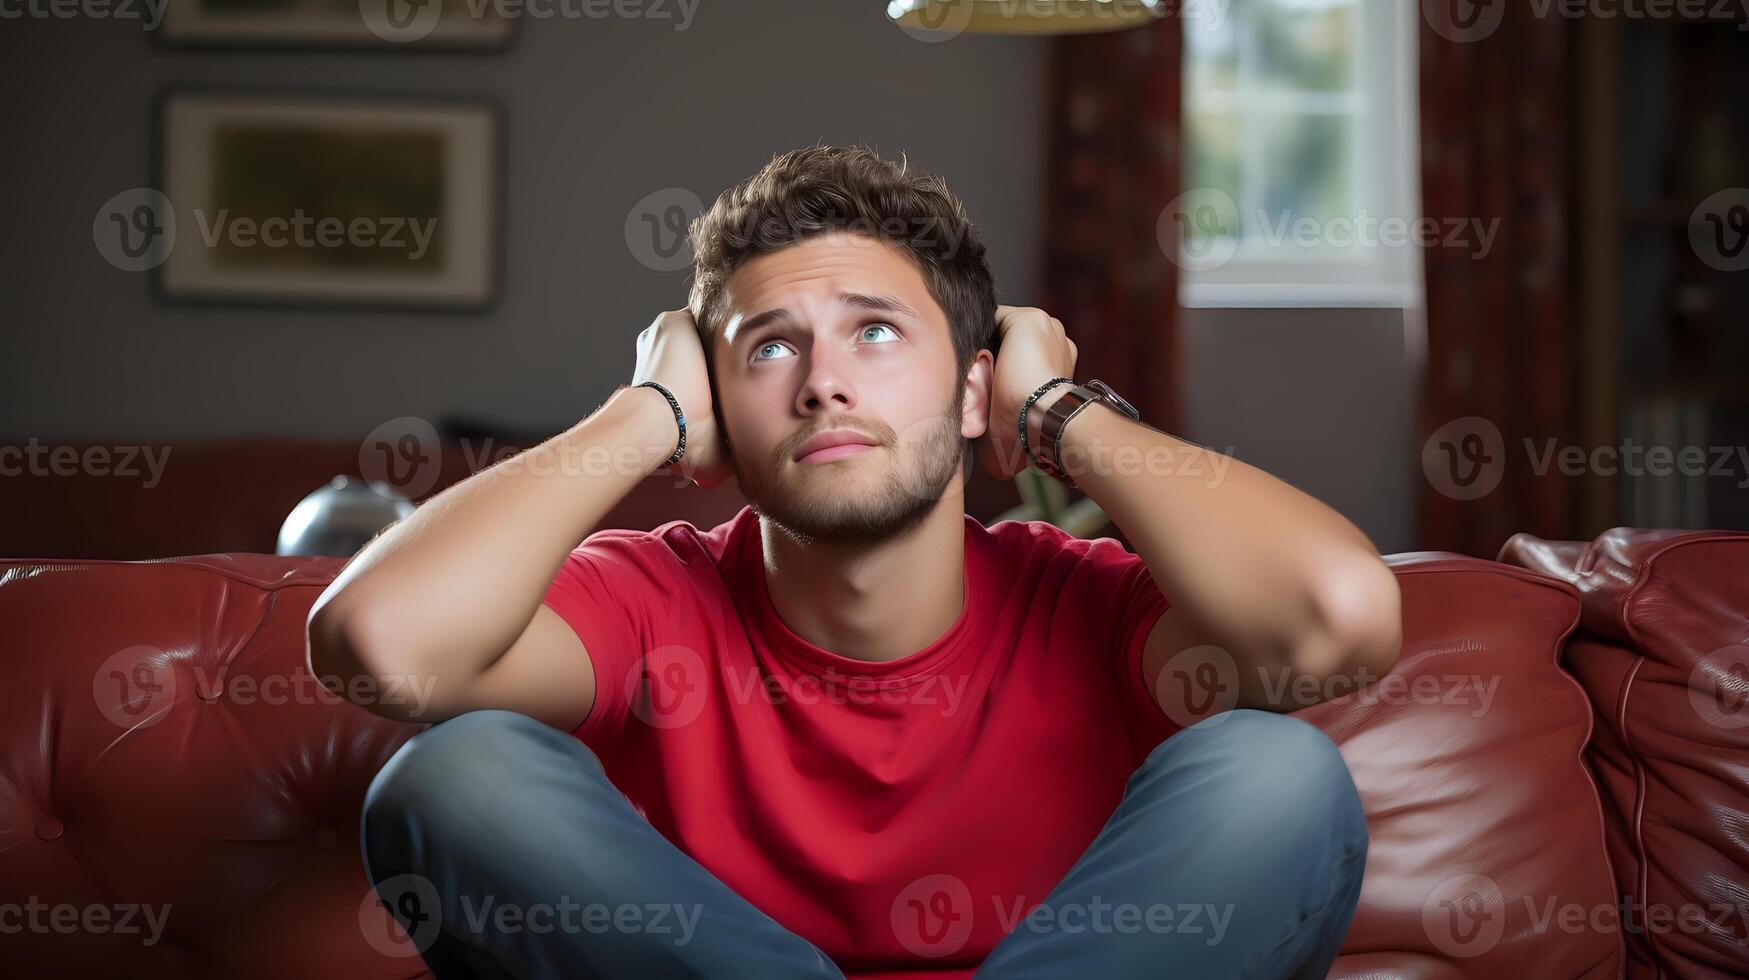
328,200
404,24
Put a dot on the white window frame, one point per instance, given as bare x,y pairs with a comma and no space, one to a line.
1386,185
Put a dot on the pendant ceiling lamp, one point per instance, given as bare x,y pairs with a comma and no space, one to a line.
1023,16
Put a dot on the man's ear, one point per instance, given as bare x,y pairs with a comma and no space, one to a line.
975,412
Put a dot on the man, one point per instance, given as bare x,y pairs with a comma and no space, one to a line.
853,731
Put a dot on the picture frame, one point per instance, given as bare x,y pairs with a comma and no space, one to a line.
383,201
405,25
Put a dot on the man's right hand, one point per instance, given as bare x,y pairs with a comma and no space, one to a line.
671,354
413,606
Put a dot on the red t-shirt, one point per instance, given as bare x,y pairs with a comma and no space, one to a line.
902,816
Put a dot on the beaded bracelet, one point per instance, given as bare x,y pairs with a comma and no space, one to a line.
1026,407
679,417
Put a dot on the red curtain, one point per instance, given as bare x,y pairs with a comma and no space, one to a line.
1113,137
1497,137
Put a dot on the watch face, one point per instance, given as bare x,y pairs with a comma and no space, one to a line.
1116,400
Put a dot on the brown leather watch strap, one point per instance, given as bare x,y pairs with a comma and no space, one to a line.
1067,405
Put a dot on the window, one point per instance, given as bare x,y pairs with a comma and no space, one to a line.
1299,166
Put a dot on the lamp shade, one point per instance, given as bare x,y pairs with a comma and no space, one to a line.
948,17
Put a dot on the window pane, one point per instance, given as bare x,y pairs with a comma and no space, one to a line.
1211,52
1305,44
1212,156
1306,166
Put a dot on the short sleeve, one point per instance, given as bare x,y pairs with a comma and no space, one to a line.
1135,606
606,590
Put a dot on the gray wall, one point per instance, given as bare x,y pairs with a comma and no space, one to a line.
600,113
1322,398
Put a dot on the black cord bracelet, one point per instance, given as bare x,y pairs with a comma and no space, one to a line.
1026,407
679,417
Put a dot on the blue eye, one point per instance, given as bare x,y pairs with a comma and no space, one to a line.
880,326
765,347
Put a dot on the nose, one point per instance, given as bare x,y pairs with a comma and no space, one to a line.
827,386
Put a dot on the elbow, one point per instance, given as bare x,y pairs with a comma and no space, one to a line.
1359,630
354,652
340,649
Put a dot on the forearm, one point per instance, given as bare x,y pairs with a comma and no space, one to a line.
448,589
1277,577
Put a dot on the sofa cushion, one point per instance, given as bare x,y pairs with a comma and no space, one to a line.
1486,831
1664,657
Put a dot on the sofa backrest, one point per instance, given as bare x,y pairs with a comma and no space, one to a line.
1663,654
174,781
231,495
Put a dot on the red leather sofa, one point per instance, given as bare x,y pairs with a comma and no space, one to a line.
1556,774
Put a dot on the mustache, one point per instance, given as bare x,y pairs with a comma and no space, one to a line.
882,434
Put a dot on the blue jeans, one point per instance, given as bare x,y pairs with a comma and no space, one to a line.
1249,817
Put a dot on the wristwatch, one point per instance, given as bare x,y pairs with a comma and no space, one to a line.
1067,406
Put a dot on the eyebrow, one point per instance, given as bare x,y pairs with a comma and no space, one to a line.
861,301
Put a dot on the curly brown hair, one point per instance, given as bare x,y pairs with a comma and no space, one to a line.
819,189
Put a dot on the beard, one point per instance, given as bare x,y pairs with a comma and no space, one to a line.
868,497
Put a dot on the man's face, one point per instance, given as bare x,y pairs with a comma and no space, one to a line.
840,333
